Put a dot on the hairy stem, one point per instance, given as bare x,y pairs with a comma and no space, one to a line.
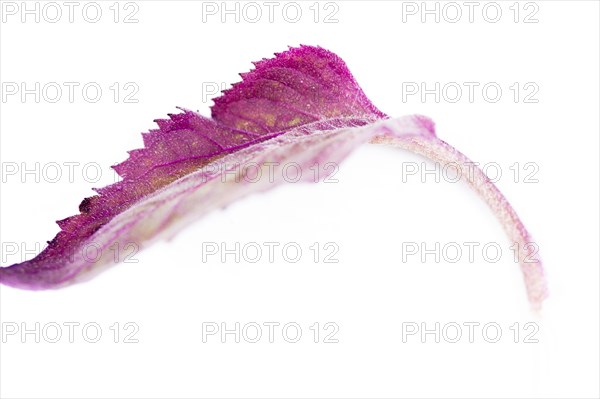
526,250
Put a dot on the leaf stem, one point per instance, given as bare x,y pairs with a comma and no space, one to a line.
526,250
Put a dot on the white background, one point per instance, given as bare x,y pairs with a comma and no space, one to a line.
370,293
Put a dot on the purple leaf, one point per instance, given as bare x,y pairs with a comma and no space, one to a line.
302,106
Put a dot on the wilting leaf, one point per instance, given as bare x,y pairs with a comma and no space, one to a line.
302,106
